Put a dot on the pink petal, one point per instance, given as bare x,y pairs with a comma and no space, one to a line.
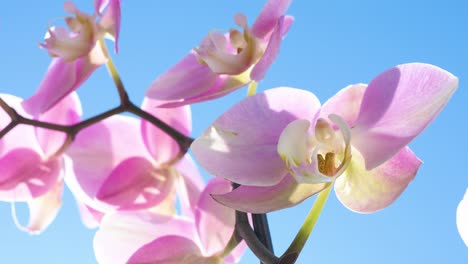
462,218
269,16
25,175
97,150
186,79
177,249
366,191
161,146
66,112
345,103
122,234
190,185
44,209
90,217
110,20
260,200
241,145
22,136
135,184
215,222
224,84
271,52
61,79
398,105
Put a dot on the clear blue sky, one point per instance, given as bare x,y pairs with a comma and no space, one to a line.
332,44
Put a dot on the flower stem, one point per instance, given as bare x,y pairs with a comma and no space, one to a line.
252,241
262,230
301,238
114,74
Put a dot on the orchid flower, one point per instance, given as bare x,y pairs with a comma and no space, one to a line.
139,237
462,218
223,63
122,163
32,165
77,53
283,147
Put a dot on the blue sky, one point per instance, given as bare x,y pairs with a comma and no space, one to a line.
332,44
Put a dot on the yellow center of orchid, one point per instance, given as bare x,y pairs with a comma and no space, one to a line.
318,156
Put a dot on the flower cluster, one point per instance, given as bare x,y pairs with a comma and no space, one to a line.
133,178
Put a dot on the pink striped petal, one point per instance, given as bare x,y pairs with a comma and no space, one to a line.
25,175
161,146
260,200
241,145
268,17
398,105
186,79
135,184
366,191
462,218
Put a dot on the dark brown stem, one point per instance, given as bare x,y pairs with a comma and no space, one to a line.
249,236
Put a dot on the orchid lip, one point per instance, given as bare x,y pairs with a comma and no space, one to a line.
312,157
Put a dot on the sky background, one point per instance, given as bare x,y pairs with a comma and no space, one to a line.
331,44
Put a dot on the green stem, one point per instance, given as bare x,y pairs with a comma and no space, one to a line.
301,238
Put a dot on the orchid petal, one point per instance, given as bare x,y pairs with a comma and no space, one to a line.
271,52
261,200
187,78
163,147
22,136
366,191
181,250
97,150
66,112
44,209
223,85
110,20
24,175
135,184
89,216
61,79
397,106
462,218
122,234
268,17
241,145
215,222
345,103
190,185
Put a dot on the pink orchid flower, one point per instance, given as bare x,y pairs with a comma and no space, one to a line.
121,162
139,237
462,218
283,147
77,54
225,62
32,171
